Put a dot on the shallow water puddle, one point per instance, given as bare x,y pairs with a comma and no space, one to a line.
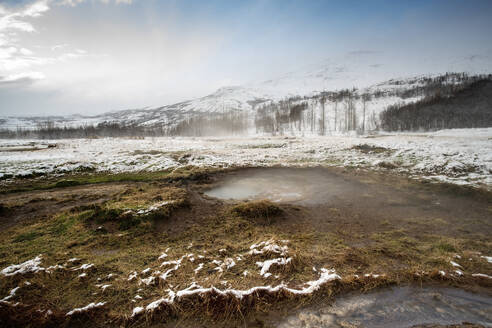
303,186
370,201
398,307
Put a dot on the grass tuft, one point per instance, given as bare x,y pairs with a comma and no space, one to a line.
28,236
66,183
260,212
370,149
445,247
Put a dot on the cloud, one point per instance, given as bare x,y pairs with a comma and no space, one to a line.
59,46
74,3
35,9
12,22
16,60
25,52
73,55
21,78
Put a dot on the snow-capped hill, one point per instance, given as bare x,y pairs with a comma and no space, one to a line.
329,75
369,72
363,69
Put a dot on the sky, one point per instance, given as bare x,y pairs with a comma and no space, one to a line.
60,57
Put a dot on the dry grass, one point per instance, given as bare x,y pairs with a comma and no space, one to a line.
398,254
371,149
260,212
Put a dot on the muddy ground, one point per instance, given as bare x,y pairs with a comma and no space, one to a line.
373,229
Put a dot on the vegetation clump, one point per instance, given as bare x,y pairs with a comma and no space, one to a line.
124,219
266,146
66,183
387,165
261,212
3,209
136,206
370,149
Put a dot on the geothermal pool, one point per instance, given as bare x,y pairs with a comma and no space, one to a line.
292,185
398,307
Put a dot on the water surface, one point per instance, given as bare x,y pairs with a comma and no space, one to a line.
303,186
398,307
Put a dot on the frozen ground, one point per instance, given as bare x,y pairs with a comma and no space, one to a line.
462,156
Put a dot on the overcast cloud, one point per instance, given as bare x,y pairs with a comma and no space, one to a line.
92,56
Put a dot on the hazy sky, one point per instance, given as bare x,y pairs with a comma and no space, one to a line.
92,56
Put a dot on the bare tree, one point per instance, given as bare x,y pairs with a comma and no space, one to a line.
365,98
322,127
336,112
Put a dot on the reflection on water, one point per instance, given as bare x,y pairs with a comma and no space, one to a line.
398,307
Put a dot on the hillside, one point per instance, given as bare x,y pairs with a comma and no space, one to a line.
470,107
335,96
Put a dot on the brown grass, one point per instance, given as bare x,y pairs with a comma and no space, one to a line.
217,231
371,149
260,212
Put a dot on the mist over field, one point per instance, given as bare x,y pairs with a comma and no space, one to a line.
245,163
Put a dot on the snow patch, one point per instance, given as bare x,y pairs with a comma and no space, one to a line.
30,266
155,207
482,275
456,265
194,289
265,266
148,281
132,276
198,268
86,308
488,258
137,311
10,295
84,267
268,246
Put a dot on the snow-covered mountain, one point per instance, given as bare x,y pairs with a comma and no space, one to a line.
365,71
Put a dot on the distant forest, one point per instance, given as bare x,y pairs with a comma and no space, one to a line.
230,123
452,100
456,106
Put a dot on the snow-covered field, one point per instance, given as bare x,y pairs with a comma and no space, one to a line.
462,156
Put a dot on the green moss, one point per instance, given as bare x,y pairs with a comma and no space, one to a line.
84,179
62,224
66,183
28,236
128,221
444,247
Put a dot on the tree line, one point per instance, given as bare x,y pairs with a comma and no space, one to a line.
468,105
451,100
199,125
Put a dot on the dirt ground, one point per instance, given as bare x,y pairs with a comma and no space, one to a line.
401,230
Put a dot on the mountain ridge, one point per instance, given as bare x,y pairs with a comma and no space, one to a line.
355,71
